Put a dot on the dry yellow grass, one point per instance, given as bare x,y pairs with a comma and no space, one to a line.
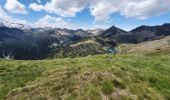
147,47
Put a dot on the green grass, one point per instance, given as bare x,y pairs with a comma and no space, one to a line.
124,76
107,87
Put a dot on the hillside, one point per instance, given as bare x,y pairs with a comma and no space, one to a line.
20,42
87,46
81,49
155,46
101,77
140,34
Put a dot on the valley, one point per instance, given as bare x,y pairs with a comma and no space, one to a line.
26,43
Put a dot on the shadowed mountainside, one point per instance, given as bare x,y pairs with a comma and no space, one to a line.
40,43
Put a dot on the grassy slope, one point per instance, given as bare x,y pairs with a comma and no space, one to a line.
94,77
162,45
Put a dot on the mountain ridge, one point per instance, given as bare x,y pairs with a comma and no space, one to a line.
48,42
4,23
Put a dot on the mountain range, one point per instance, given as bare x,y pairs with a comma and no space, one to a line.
18,41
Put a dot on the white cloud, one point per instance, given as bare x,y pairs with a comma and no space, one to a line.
46,21
140,9
144,9
65,8
54,22
36,7
4,16
14,6
102,9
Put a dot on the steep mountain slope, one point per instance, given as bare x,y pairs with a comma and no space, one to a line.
118,35
7,34
44,41
137,35
146,33
36,43
17,41
112,32
164,30
149,33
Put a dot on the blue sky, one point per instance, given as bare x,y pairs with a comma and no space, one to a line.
87,14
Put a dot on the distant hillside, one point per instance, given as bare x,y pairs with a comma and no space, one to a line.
137,35
157,46
113,32
85,47
17,41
